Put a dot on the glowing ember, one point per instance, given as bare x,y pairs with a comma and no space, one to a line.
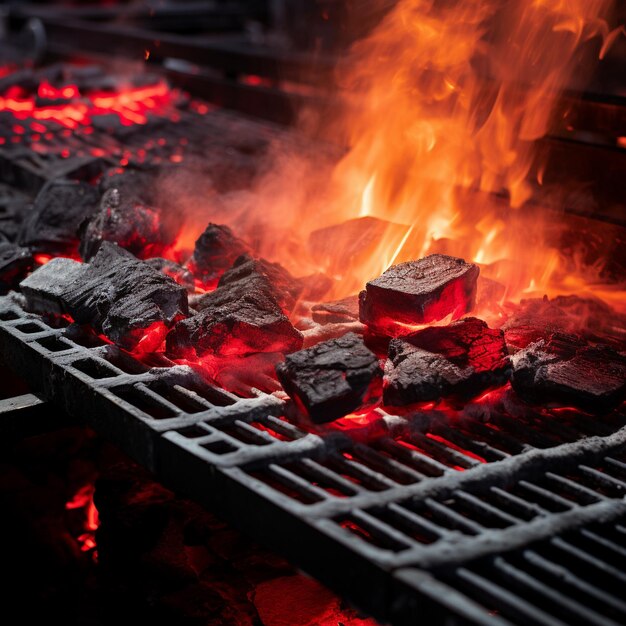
83,499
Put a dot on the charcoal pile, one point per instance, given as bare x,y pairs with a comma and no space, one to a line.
128,222
245,314
57,214
115,293
566,371
418,292
15,263
459,361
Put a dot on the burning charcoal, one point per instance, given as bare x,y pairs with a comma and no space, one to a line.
539,318
344,310
215,251
488,292
15,263
255,275
460,360
235,324
117,294
131,224
418,292
565,371
416,375
180,274
59,209
332,378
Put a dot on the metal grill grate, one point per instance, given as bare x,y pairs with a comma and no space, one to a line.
410,519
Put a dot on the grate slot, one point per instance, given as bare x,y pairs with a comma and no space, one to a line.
482,451
288,484
351,470
138,397
493,436
385,465
194,431
54,344
551,501
8,316
610,486
610,576
557,575
373,531
616,467
502,600
414,526
577,492
122,361
444,453
411,456
94,368
246,434
452,519
523,431
30,328
529,587
523,509
219,447
323,478
613,548
488,515
180,397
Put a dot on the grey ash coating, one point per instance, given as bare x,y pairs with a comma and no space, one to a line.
116,293
332,378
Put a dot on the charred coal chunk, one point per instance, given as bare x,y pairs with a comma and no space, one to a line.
235,324
44,289
215,251
127,222
337,312
172,269
255,275
416,375
138,184
466,342
315,286
58,211
418,292
116,294
563,371
332,378
15,263
540,318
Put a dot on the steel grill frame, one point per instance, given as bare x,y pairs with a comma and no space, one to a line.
396,530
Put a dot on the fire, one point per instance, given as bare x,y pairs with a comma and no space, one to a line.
83,499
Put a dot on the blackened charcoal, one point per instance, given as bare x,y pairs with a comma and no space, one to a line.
245,324
123,220
332,378
418,292
540,318
255,275
466,342
415,375
172,269
15,263
337,312
215,251
138,184
460,361
563,371
58,211
116,294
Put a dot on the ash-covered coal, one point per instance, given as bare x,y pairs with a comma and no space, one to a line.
459,361
115,293
540,318
563,370
234,323
332,378
126,221
15,263
215,251
58,211
418,292
255,275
